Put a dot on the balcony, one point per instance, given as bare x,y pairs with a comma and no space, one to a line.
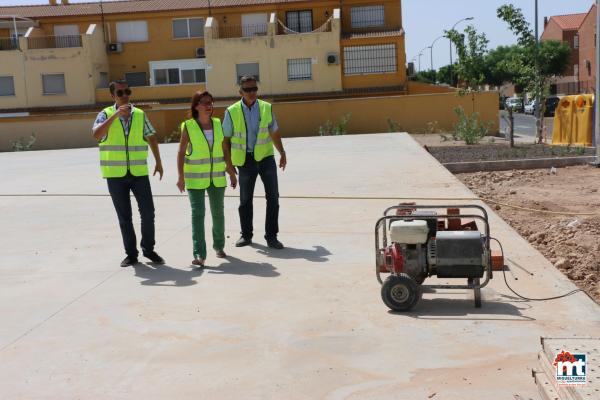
369,22
8,44
53,42
229,32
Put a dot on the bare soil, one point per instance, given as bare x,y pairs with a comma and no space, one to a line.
570,242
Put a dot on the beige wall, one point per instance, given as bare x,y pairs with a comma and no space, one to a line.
368,115
13,64
424,88
80,65
141,93
272,52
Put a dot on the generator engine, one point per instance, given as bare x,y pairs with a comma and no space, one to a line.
424,247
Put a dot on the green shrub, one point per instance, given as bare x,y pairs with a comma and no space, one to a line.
393,126
334,129
469,127
22,144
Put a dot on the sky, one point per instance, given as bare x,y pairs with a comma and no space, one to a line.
426,20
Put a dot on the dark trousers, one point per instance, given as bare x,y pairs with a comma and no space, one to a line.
267,170
119,189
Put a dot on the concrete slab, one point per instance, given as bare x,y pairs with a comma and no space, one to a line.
304,323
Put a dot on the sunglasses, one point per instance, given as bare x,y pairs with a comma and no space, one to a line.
250,89
121,93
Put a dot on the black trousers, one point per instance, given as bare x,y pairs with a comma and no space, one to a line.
119,189
267,170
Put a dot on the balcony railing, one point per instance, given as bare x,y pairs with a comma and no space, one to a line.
227,32
370,28
8,44
54,42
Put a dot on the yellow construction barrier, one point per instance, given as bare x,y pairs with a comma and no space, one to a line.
584,120
563,121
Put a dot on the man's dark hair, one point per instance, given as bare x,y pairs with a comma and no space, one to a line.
247,78
112,85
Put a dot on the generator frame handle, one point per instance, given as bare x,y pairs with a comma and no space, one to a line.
382,220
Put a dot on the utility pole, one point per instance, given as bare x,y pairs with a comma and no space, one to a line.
597,97
538,95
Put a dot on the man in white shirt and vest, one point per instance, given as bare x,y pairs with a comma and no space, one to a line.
250,134
124,133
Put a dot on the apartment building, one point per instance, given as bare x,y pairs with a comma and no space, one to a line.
565,28
63,54
579,31
587,50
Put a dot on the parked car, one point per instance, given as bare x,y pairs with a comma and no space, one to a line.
515,103
551,103
530,107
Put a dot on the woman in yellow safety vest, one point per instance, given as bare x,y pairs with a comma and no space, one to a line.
201,166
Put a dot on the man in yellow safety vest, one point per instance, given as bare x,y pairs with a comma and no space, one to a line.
124,133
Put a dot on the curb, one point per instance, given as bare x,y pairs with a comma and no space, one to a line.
507,165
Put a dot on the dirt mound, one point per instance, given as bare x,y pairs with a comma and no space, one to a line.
540,201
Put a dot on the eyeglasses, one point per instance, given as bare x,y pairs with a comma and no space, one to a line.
121,93
205,103
250,89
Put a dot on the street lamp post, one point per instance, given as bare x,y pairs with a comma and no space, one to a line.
420,54
538,95
454,26
431,47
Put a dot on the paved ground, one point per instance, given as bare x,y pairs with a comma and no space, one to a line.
303,323
525,129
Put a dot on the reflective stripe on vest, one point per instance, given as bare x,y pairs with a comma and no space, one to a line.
264,145
120,153
204,165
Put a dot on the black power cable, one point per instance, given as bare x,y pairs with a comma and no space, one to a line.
572,292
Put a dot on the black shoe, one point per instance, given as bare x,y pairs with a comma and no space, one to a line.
154,257
129,261
242,241
274,244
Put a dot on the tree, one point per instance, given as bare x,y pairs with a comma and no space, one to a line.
443,76
471,66
499,65
429,76
534,65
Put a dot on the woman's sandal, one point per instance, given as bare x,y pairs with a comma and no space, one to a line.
198,262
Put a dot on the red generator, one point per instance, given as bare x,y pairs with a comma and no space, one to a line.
414,242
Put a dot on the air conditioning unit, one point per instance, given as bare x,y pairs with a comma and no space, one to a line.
200,53
333,58
115,47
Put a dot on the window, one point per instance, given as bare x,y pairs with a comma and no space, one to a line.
53,83
299,21
186,28
369,16
132,31
375,59
299,69
169,76
103,80
250,69
136,78
576,70
7,86
254,24
576,42
66,30
193,75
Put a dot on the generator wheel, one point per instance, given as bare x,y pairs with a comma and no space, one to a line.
477,293
400,292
